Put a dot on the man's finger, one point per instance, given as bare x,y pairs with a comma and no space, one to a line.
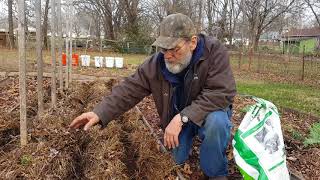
171,142
89,124
78,124
77,120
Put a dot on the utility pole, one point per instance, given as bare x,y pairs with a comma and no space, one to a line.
22,72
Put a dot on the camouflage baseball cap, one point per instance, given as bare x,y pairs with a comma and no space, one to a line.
172,29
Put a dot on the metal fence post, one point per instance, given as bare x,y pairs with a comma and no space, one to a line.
240,58
303,62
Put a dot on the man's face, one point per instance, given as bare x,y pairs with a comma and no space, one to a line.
178,58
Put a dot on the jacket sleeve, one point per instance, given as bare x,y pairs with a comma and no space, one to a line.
219,88
124,96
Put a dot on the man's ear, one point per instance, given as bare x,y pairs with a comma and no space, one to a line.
194,41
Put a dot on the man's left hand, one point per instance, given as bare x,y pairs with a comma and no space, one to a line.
172,131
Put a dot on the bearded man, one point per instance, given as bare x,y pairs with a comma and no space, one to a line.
193,88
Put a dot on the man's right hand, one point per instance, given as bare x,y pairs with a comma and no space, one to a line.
87,120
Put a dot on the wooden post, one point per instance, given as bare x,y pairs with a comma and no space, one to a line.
259,59
303,62
53,55
22,72
60,43
70,61
67,44
67,59
39,57
70,33
240,59
250,57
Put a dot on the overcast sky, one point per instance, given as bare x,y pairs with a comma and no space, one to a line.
3,9
308,17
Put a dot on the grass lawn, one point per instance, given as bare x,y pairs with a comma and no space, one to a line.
298,97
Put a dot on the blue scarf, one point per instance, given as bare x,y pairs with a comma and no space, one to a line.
177,80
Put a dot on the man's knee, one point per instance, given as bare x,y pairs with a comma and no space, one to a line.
217,122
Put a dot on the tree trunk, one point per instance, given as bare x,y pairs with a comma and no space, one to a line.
45,25
10,21
39,57
22,72
67,45
60,44
210,16
53,55
109,29
199,26
256,39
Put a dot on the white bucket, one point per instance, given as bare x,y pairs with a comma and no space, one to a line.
109,62
85,60
119,62
98,61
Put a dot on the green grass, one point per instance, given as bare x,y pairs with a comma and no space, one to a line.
298,97
314,137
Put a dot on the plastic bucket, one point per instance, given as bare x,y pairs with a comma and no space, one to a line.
98,61
119,62
75,59
85,60
109,62
64,59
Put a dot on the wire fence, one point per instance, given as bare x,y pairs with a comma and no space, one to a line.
299,66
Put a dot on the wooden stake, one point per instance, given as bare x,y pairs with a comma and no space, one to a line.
60,43
303,62
53,56
39,57
22,72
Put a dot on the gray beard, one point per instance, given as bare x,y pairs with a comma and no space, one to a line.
176,68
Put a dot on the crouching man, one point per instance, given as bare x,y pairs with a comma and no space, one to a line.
193,87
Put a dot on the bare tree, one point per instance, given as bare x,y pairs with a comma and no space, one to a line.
60,44
131,10
210,11
45,25
233,17
39,42
312,6
22,72
53,55
10,21
261,13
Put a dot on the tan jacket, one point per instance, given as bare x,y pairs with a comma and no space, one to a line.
210,87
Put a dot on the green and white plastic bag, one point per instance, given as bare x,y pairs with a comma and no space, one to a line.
258,146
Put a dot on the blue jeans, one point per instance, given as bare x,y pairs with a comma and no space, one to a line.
215,135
